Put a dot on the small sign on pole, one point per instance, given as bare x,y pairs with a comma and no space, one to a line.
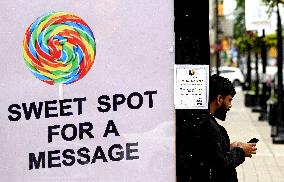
191,86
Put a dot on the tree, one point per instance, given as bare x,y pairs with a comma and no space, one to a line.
273,3
241,36
239,25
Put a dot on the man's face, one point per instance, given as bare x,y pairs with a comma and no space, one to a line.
225,105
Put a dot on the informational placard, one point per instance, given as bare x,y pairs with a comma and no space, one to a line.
191,86
256,15
82,97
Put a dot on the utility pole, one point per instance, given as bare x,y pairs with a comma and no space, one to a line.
191,48
248,77
280,125
263,99
256,79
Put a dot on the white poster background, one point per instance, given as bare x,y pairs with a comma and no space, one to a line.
256,16
191,86
133,39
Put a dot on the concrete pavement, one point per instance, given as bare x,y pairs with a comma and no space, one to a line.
242,124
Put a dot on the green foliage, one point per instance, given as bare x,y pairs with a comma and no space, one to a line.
273,3
245,39
240,3
255,42
248,40
239,25
271,40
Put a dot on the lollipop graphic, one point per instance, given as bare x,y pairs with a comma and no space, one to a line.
59,48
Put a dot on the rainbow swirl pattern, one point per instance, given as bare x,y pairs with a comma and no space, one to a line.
59,47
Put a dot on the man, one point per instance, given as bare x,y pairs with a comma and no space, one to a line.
220,157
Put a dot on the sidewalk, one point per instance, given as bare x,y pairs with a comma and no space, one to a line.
242,125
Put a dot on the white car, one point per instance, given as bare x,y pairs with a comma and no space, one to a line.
234,74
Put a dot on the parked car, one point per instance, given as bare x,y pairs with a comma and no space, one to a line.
234,74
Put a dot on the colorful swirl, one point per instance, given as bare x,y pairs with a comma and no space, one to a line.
59,47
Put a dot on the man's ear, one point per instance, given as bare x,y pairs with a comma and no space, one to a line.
219,100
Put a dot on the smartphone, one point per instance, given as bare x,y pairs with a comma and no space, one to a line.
253,140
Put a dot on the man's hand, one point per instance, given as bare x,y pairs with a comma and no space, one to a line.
234,145
249,148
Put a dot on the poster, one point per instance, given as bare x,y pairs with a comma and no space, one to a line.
191,86
109,119
256,18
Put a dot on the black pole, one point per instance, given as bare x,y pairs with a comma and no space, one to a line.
257,107
248,76
280,65
256,78
192,48
263,53
280,126
265,94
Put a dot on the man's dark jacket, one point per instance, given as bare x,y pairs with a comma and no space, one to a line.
211,158
221,160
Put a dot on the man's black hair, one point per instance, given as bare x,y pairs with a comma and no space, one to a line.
219,85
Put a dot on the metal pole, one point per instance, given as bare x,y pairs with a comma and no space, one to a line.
264,97
280,132
256,78
248,79
263,53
